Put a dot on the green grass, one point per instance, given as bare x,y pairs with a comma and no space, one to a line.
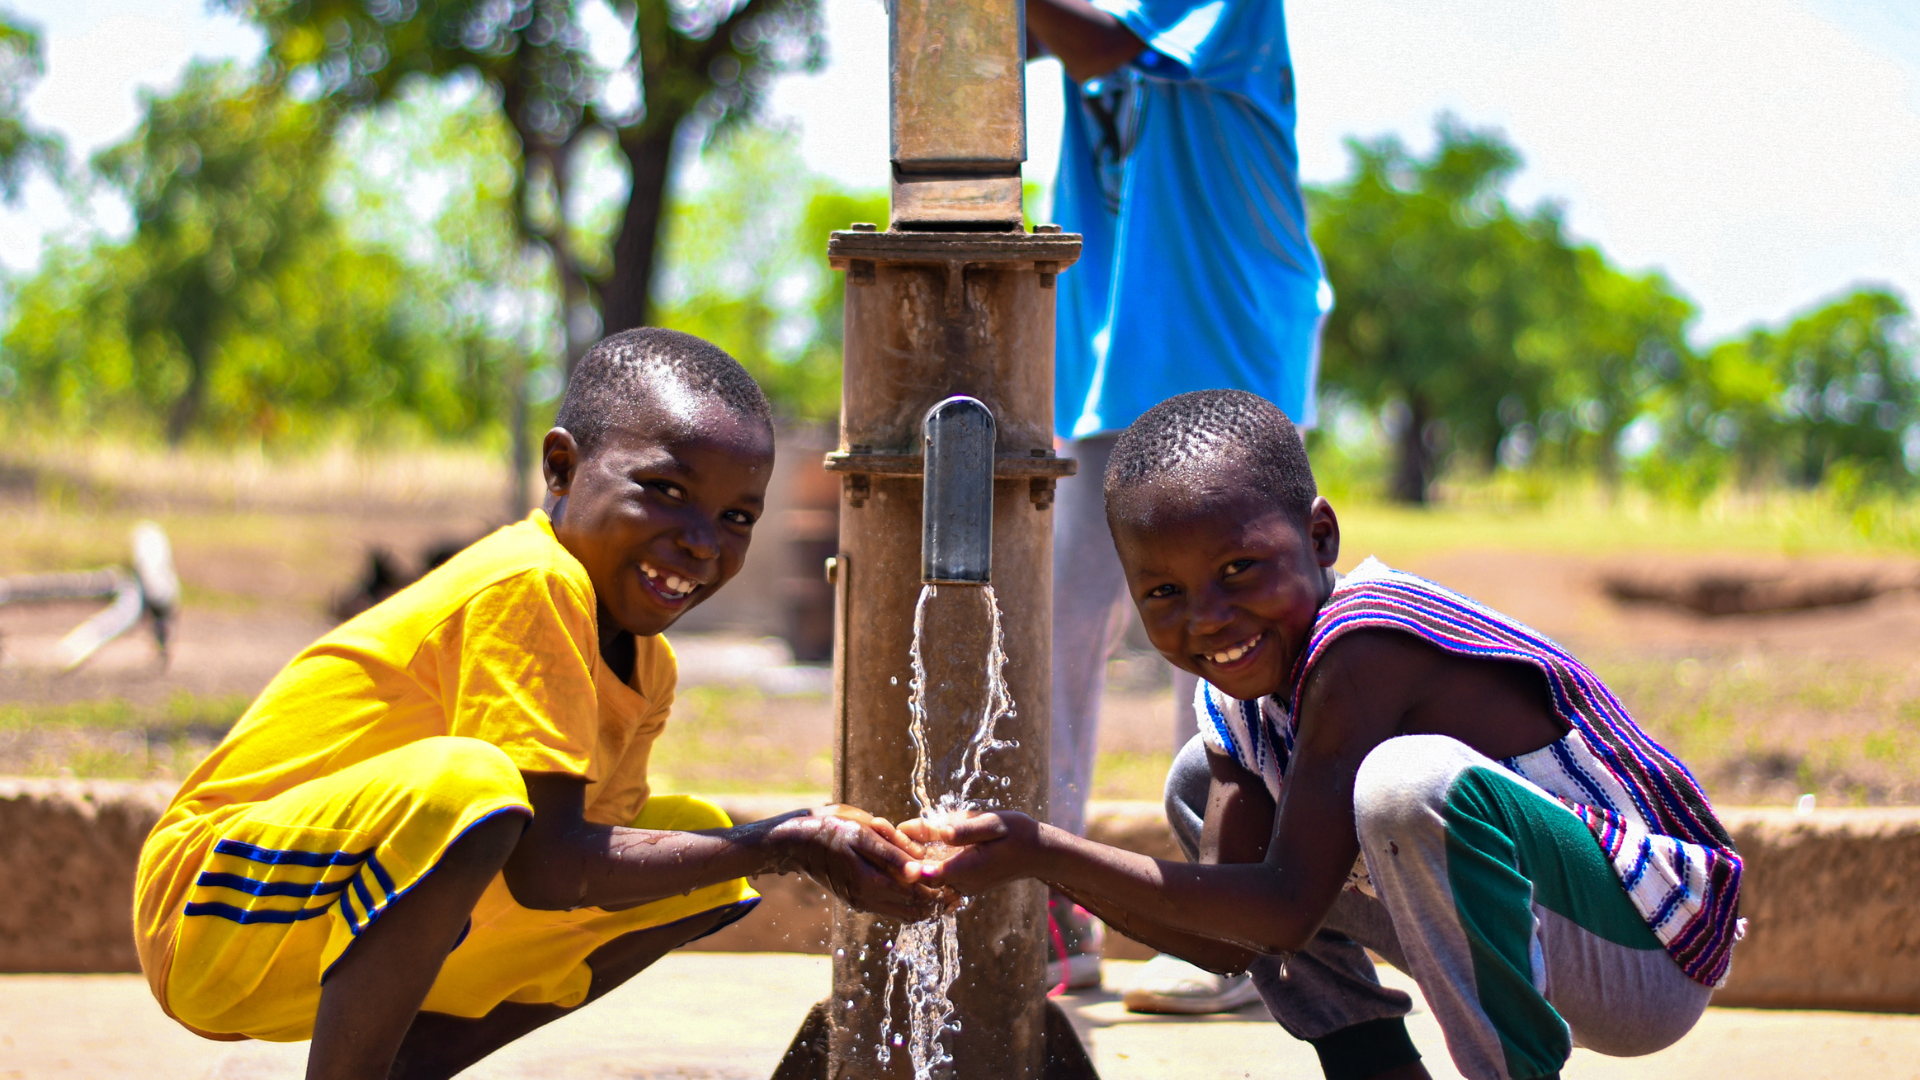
1119,774
182,713
1577,516
1845,731
729,740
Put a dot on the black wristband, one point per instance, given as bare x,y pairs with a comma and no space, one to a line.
1365,1050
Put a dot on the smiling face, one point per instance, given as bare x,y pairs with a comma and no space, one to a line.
1228,584
662,511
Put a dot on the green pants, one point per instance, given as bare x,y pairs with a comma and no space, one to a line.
1498,901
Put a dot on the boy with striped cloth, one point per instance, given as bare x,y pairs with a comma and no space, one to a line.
1383,764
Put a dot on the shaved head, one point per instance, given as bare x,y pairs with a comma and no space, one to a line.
651,376
1194,446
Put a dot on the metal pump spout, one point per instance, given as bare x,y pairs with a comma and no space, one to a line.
956,504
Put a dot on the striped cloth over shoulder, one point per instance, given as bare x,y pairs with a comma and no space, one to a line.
1674,858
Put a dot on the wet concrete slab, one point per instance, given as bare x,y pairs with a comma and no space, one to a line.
725,1016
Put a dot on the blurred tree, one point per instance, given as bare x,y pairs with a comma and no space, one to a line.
1621,338
239,306
1851,394
22,147
705,62
1437,284
1833,392
224,179
744,267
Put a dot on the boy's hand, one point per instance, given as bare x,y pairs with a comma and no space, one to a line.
859,862
878,824
990,850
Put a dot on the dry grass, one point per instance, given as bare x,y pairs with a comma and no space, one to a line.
262,537
78,473
238,517
1760,729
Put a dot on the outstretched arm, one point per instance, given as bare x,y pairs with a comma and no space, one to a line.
1089,42
564,861
1239,822
1353,702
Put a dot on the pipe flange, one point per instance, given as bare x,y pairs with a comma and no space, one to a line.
1005,466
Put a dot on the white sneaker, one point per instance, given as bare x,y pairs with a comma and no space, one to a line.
1168,984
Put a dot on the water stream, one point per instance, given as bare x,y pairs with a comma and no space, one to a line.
927,953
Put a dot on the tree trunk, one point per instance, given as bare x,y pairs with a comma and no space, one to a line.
186,409
519,448
573,287
626,301
1413,471
1610,457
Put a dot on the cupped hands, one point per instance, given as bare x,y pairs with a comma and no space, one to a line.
972,853
865,860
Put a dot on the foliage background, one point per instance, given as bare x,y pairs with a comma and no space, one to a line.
400,227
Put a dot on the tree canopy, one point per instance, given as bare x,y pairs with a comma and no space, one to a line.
1437,285
746,267
241,305
701,67
358,257
1486,337
23,148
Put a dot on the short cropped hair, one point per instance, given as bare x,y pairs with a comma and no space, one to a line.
1214,433
621,378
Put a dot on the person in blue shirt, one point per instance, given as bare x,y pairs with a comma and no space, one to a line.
1179,170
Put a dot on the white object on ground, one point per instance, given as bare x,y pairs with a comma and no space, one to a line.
153,565
1168,984
116,619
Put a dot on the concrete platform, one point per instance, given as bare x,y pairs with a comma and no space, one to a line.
1828,894
724,1016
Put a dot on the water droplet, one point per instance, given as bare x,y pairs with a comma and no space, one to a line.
895,680
898,1039
849,1003
840,953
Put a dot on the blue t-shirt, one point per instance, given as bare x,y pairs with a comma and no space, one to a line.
1181,173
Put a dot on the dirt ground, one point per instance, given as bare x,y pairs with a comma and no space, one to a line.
670,1023
1765,707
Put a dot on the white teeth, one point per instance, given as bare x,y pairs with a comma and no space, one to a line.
1228,656
673,585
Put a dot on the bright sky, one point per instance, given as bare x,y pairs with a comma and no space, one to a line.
1764,153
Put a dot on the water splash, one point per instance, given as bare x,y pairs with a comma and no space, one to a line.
927,952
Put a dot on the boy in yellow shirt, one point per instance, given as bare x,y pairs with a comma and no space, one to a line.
432,833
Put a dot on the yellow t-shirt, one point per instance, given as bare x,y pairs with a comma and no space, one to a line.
497,644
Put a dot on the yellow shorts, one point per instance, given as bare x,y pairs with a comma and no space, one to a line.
294,880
